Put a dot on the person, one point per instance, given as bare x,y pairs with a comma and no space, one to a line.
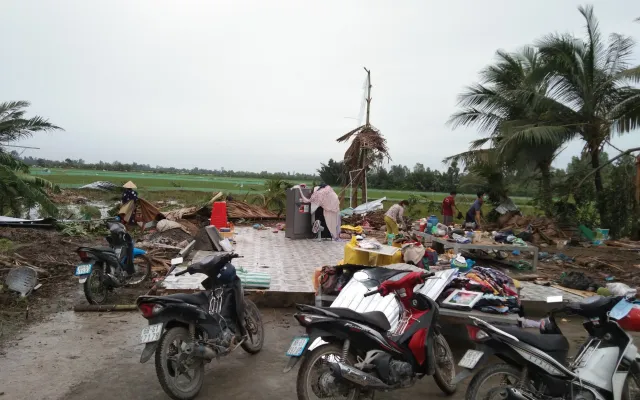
448,204
473,219
130,194
393,217
325,207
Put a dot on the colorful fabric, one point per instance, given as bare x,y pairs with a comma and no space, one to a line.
326,198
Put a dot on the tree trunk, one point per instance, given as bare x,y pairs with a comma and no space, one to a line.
545,189
635,224
595,163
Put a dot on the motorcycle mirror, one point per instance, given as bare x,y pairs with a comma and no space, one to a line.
554,299
177,261
360,276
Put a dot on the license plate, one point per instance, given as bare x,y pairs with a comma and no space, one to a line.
297,347
470,359
83,269
151,333
118,251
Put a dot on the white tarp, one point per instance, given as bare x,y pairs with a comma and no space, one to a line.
370,206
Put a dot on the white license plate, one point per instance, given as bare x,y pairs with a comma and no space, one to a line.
83,269
151,333
470,359
297,346
118,251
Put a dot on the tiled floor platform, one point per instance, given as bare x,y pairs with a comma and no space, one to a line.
291,262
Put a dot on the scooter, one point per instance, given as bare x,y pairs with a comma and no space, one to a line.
536,365
359,356
188,330
105,268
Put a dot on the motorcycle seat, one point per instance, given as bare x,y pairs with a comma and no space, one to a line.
373,318
594,307
200,299
104,249
557,346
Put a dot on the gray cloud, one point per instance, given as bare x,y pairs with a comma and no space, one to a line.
262,85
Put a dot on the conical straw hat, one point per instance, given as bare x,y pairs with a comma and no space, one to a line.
129,185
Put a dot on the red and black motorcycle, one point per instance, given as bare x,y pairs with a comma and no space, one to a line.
357,355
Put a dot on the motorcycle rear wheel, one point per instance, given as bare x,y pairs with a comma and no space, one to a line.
95,287
445,365
170,359
511,377
306,384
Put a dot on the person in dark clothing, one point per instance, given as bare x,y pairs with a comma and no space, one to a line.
128,195
473,219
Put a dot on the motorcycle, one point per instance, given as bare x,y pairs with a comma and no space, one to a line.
536,365
359,355
188,330
105,268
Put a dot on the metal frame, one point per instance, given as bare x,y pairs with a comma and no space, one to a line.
457,247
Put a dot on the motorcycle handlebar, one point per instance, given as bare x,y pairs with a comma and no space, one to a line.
372,293
423,276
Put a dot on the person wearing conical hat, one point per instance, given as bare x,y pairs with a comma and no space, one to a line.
128,195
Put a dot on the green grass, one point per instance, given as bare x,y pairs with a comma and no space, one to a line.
193,189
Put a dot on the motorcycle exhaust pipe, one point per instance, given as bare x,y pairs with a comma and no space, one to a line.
513,394
356,376
202,351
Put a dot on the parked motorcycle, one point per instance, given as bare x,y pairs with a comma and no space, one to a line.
358,355
536,365
188,330
105,268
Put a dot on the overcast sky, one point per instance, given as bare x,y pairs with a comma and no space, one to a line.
263,85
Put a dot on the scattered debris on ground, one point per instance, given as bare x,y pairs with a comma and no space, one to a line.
101,185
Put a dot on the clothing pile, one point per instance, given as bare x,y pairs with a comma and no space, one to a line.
499,291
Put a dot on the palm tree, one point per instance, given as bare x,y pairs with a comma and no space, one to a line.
499,104
18,189
589,91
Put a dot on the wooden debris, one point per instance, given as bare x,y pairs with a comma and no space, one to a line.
581,293
605,263
239,209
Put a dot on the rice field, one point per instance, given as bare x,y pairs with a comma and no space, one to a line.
154,182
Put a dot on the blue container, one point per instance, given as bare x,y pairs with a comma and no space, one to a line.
432,221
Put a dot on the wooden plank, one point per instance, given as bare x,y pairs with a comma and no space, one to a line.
581,293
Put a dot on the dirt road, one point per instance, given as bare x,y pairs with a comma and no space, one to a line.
87,356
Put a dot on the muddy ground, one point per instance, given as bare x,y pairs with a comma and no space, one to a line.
84,356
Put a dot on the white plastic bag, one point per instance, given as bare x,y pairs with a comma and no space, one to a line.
621,289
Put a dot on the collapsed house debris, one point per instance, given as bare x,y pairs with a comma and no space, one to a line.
101,185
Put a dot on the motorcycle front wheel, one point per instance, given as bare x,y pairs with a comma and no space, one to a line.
96,290
142,270
180,376
445,365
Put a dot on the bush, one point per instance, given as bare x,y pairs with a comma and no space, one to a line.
90,212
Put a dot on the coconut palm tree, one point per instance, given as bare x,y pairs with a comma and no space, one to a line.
18,189
589,92
499,107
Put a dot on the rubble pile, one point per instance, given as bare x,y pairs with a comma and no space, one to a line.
374,218
242,210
